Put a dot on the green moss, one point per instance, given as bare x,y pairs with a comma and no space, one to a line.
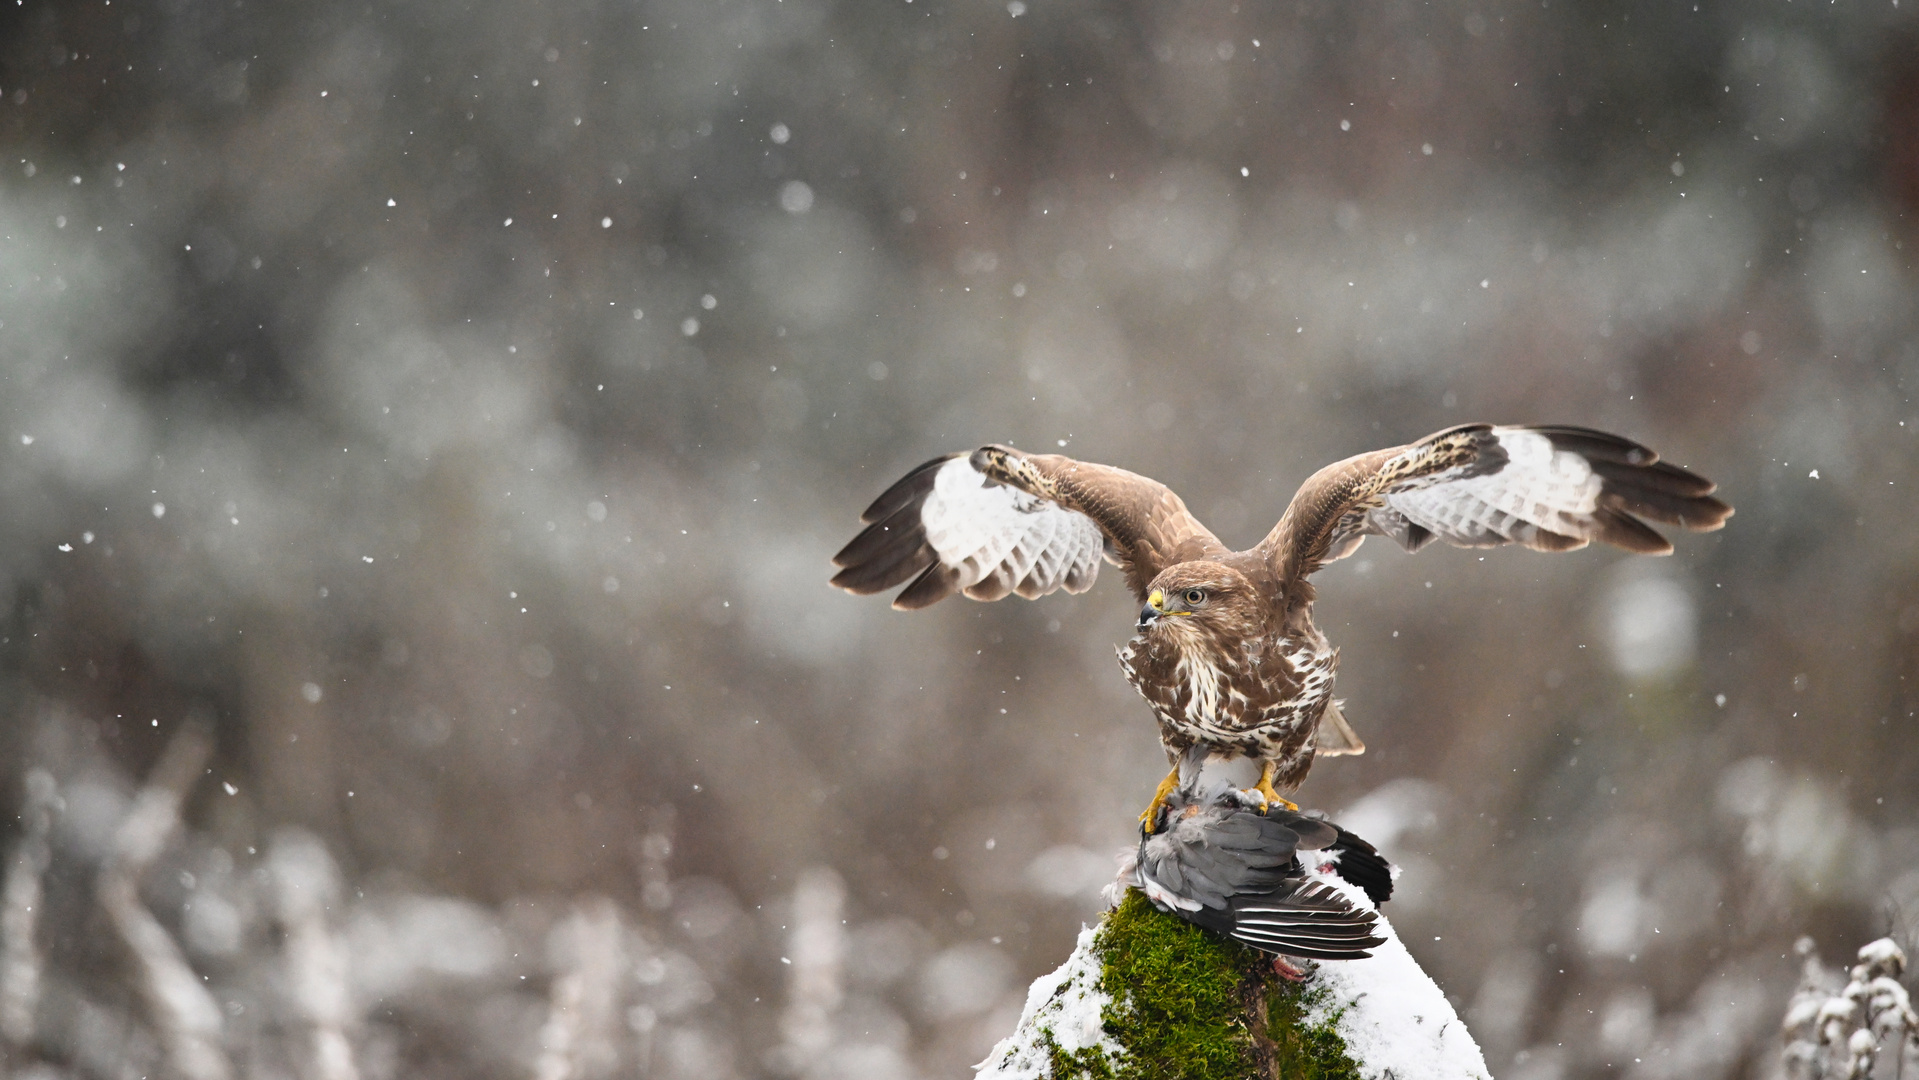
1178,995
1089,1062
1190,1005
1302,1050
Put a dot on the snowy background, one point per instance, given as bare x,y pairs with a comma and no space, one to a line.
424,428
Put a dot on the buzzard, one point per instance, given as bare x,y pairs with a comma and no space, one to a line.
1229,862
1226,653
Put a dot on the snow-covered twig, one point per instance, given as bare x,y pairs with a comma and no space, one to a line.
580,1039
817,946
19,951
186,1015
1835,1032
816,949
306,885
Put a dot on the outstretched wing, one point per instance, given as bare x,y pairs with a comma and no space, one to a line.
1547,488
998,521
1309,919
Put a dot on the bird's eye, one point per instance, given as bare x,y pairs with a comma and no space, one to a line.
1194,596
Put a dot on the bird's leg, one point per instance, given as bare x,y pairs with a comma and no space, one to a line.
1166,787
1267,792
1287,971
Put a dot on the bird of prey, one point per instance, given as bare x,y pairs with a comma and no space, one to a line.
1220,858
1226,652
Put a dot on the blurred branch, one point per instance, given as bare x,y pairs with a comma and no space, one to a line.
817,943
182,1009
306,883
1836,1032
20,960
580,1037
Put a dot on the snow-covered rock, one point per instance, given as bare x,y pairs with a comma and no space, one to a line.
1066,1007
1388,1017
1395,1020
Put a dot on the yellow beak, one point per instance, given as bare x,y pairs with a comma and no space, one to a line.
1154,609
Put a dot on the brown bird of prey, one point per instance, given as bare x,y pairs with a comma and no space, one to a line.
1226,653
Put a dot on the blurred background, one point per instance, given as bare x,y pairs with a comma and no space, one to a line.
426,427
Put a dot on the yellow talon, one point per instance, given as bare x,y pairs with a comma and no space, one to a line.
1267,792
1166,788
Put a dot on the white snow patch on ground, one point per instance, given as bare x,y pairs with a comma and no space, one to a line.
1066,1004
1397,1024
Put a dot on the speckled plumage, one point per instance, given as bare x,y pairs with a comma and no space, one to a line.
1260,694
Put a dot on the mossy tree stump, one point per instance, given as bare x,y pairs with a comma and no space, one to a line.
1147,996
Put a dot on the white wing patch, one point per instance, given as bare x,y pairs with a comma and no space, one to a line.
1000,539
1539,488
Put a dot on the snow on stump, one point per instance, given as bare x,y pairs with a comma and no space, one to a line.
1148,995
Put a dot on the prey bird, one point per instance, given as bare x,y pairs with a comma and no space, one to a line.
1226,652
1220,858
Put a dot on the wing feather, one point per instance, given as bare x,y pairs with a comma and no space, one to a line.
887,553
1307,918
1659,476
911,488
1594,445
935,583
1549,488
948,528
1622,530
1335,736
997,521
1361,863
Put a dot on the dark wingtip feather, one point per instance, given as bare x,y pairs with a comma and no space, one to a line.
1714,518
1363,865
1539,539
1663,493
901,526
1595,445
906,490
878,575
1660,477
1680,481
1637,484
1701,513
992,587
935,583
1625,531
893,548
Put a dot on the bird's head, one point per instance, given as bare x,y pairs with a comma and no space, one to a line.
1200,600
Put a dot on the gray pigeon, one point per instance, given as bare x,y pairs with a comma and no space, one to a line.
1215,858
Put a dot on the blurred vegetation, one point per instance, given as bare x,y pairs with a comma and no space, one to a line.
452,407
